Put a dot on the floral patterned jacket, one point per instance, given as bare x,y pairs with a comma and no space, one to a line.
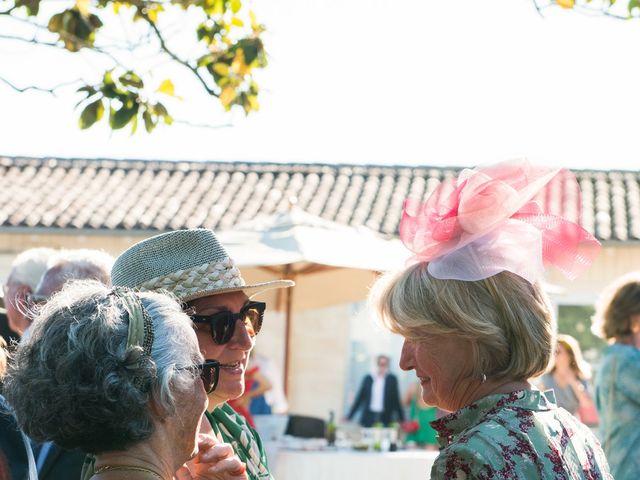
520,435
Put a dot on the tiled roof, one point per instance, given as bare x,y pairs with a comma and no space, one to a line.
161,195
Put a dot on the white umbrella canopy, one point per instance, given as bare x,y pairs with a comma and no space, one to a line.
297,237
311,251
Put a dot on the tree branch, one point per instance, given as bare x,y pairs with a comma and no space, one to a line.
51,90
8,12
165,48
539,8
201,125
57,45
33,40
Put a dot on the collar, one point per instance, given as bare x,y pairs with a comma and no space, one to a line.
452,425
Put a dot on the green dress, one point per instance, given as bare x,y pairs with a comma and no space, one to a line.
520,435
230,427
425,435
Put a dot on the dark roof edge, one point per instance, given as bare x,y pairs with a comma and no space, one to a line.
263,164
79,231
151,232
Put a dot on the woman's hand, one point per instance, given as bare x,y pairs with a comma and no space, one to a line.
214,461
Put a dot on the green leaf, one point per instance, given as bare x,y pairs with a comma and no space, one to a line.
119,118
149,124
237,22
160,110
130,79
251,48
632,5
91,114
221,69
88,89
134,124
205,60
235,5
55,23
32,6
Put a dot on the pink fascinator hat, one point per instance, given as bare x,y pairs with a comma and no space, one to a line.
497,218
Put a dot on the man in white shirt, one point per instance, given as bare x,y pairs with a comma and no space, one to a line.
378,397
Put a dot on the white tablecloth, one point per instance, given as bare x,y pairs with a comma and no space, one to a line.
352,465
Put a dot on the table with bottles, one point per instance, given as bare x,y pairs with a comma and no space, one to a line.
376,452
352,465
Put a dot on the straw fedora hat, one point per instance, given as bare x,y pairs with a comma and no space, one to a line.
188,263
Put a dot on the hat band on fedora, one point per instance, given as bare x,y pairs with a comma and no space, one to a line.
183,283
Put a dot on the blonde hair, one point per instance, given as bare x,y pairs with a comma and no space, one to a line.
577,362
616,305
506,320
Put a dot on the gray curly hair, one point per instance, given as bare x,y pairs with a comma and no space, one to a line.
74,381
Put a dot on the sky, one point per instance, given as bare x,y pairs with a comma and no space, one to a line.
411,82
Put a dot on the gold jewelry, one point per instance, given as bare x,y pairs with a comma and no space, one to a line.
131,468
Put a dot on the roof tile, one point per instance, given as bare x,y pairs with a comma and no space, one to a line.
108,194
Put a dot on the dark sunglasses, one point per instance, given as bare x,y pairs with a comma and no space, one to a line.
209,374
223,323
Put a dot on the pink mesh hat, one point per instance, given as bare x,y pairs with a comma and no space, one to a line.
488,220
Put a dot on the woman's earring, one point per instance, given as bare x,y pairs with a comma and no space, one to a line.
484,377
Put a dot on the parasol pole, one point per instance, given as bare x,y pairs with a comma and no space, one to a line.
288,273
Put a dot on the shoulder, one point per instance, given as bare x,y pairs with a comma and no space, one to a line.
624,358
468,459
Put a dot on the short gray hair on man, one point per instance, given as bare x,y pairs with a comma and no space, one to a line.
506,320
29,266
77,264
75,382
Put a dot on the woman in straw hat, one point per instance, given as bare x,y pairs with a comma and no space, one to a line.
476,323
192,265
119,375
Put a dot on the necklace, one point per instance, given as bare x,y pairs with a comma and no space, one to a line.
131,468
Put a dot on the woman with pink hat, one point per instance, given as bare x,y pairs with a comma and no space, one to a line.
477,325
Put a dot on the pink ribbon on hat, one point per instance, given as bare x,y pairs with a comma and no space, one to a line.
486,221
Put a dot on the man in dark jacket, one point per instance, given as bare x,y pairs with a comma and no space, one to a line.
378,397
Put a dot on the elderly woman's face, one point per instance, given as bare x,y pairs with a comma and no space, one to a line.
191,406
442,364
234,355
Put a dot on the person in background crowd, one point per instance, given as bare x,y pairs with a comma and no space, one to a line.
192,265
8,335
26,270
68,265
378,397
118,374
256,384
16,459
617,319
477,324
422,414
568,376
52,461
274,399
